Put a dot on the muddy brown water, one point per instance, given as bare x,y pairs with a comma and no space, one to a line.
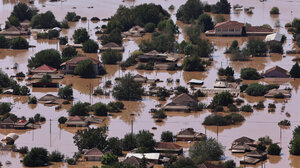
257,124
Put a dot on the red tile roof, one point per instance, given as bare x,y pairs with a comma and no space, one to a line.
44,69
183,98
167,145
229,24
75,118
258,29
78,59
111,44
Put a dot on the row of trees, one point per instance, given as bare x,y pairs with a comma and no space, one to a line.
15,43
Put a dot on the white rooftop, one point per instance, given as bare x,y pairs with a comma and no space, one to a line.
150,156
274,37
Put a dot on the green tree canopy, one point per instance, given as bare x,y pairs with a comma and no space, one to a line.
66,92
189,11
85,69
50,57
249,74
222,99
295,71
111,57
145,141
36,157
257,47
115,146
4,42
44,21
129,142
80,109
68,53
22,11
166,136
128,89
100,109
19,43
205,22
80,36
90,46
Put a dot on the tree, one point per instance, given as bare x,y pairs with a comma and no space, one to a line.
256,89
100,109
166,136
19,43
128,89
56,156
109,158
276,48
114,36
205,22
219,19
4,108
192,63
274,149
145,141
189,11
12,21
295,71
4,43
129,142
46,79
90,46
44,21
205,150
62,120
111,57
222,99
249,74
222,7
114,145
70,16
274,11
36,157
68,53
257,47
66,92
91,138
228,71
80,36
22,11
80,109
85,69
184,163
149,27
50,57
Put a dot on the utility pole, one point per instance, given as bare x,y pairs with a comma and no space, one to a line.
50,134
131,127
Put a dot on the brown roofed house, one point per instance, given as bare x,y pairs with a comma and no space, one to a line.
153,56
168,147
112,46
134,161
258,30
8,122
93,154
15,31
277,93
208,165
69,66
76,121
44,69
183,102
140,78
258,154
276,72
189,135
243,140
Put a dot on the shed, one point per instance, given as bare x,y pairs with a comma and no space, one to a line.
93,154
196,82
275,37
76,121
189,135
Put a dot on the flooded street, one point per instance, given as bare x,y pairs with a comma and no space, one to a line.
257,124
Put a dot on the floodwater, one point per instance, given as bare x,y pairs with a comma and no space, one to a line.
53,137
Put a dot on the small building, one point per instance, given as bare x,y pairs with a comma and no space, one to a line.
40,76
189,135
8,122
249,160
153,56
182,102
241,148
244,140
276,72
15,31
151,157
273,93
140,78
44,69
168,147
25,23
220,84
112,46
76,121
196,82
136,162
93,154
69,66
208,165
257,154
275,37
258,31
135,31
10,138
21,124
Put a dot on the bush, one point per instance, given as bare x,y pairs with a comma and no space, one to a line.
53,34
149,27
5,108
111,57
274,11
228,71
274,149
85,69
257,47
159,114
80,109
109,159
56,156
199,94
46,79
261,147
219,120
205,22
23,150
276,48
63,40
70,16
233,108
221,7
22,11
80,36
62,120
90,46
114,36
32,100
114,145
279,96
218,109
249,74
192,63
66,92
256,89
246,108
36,157
4,42
166,136
259,105
96,19
284,123
19,43
100,109
71,161
205,150
50,57
128,89
44,21
222,99
64,24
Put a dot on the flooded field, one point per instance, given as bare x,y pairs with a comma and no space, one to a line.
257,124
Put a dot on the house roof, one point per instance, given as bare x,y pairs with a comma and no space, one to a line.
75,118
258,29
274,37
208,165
12,28
78,59
188,131
93,152
149,156
9,120
229,24
132,161
44,68
277,68
244,140
48,97
183,98
168,145
196,81
111,44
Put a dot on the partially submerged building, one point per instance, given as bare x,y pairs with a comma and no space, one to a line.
69,66
168,148
275,37
15,31
135,31
276,72
76,121
189,135
150,157
274,93
183,102
44,69
111,46
93,154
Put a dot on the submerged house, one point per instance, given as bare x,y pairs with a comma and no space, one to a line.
275,37
242,145
153,56
14,123
234,28
112,46
44,69
15,31
136,162
69,66
135,31
276,72
76,121
93,154
258,154
168,147
150,157
208,165
190,135
140,78
183,102
278,93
